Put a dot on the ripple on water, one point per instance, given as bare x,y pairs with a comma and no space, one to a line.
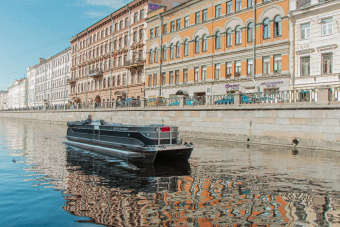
222,184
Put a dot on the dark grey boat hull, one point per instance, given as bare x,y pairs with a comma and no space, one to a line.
134,154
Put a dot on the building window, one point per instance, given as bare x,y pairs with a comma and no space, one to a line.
155,80
277,63
151,33
229,7
156,32
218,40
136,17
141,34
305,66
204,43
238,35
171,77
237,68
178,24
205,15
156,55
178,50
164,53
126,22
185,75
217,71
124,79
229,38
250,32
186,21
165,27
120,25
266,65
135,37
186,47
277,26
172,51
197,45
198,17
163,78
172,28
250,67
142,14
150,80
176,76
197,73
238,5
305,30
218,11
250,3
327,63
266,29
229,69
327,26
151,57
204,73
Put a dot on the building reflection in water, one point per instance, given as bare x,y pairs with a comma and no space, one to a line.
230,186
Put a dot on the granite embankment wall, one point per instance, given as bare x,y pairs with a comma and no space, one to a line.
316,126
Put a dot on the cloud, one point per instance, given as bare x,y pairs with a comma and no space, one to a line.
96,14
113,4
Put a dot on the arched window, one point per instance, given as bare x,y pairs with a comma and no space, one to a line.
101,50
135,37
125,40
277,26
115,44
164,53
229,38
178,50
197,45
156,55
266,29
186,47
204,43
250,32
151,57
238,35
218,40
172,51
120,43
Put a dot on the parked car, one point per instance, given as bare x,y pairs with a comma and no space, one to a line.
156,101
187,102
230,100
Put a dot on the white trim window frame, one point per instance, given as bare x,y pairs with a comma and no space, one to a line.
327,26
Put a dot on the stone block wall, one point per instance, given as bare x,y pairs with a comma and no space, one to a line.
315,126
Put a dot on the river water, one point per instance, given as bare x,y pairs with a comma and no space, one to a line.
45,183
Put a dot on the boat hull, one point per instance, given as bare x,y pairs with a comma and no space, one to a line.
132,153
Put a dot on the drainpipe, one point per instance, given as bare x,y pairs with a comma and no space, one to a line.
160,55
87,64
128,55
254,46
111,64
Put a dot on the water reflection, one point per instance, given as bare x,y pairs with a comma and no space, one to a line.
223,184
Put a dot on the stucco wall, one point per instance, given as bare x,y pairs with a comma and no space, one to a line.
316,126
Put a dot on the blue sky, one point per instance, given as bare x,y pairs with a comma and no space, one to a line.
30,29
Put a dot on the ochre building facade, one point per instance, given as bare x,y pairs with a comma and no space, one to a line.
207,48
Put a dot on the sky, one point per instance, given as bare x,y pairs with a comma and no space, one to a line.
33,29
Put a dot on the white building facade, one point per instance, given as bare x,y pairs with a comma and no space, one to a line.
17,95
48,80
316,35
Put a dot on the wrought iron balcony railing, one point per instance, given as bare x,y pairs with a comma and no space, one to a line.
96,73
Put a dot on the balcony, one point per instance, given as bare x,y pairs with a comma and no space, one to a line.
96,73
134,63
71,81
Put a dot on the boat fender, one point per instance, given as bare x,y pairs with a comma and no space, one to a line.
164,147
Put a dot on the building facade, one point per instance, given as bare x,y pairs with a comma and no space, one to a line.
315,33
108,57
3,99
17,94
207,48
48,80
